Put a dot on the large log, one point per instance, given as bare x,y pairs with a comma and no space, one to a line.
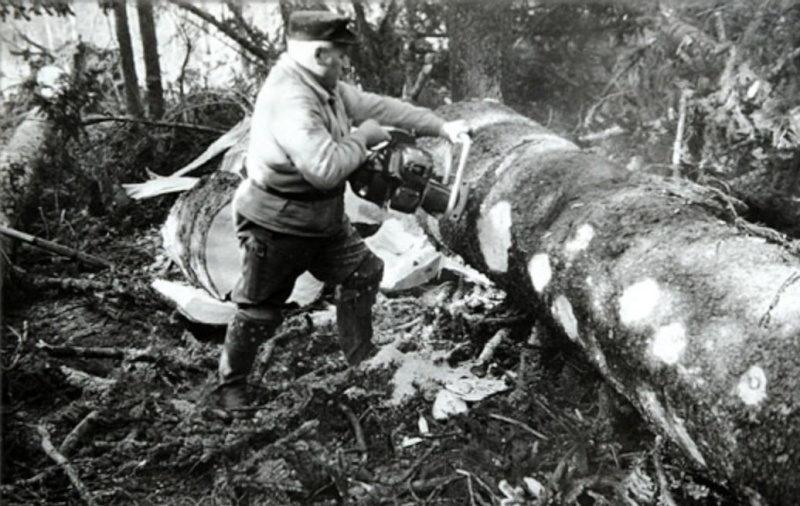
695,322
19,161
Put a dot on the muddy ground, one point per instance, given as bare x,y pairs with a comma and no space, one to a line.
99,350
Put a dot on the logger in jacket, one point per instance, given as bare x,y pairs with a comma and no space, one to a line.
309,131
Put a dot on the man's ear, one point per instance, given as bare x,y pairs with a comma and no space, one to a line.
321,56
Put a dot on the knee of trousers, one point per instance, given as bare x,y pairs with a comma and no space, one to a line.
367,275
258,314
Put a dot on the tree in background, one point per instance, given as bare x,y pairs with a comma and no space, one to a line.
147,28
479,39
131,80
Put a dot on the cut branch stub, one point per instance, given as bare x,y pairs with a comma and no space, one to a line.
697,324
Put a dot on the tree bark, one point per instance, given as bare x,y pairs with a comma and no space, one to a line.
147,27
123,34
18,165
694,321
479,36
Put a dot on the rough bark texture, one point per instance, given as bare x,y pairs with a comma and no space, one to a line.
693,321
123,34
147,27
479,35
18,164
195,218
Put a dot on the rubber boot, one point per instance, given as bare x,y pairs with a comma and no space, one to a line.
242,340
354,322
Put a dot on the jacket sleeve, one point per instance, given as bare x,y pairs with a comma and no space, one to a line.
300,131
362,105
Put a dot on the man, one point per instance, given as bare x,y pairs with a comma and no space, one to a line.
289,211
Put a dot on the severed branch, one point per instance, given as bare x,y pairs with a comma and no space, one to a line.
127,354
58,458
72,440
361,442
55,247
93,119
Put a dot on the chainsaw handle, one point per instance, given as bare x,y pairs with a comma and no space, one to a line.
466,144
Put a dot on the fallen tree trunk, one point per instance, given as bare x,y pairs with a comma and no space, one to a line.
18,164
773,195
695,322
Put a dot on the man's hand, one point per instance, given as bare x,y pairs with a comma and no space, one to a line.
373,132
454,130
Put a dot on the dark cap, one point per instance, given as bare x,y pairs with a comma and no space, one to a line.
320,25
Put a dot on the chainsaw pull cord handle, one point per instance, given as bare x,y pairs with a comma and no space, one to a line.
466,143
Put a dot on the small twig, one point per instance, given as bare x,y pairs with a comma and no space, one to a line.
480,482
91,120
521,425
21,338
413,469
469,485
408,324
361,443
62,461
677,146
74,437
479,368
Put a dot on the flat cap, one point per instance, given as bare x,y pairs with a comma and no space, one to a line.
320,25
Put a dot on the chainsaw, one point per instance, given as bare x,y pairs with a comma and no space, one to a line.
400,175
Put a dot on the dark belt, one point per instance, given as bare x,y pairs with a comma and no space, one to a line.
310,196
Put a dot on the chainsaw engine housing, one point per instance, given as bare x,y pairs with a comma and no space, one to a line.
401,176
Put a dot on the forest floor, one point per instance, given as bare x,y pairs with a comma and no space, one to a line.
121,386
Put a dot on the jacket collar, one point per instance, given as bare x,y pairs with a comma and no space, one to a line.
294,69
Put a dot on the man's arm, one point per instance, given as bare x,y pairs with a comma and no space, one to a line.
362,105
300,131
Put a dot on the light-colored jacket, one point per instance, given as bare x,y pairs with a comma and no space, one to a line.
301,142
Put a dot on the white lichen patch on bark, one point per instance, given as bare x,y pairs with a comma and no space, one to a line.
580,241
638,301
494,235
752,386
562,311
669,343
540,271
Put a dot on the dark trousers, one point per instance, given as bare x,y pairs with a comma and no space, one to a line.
271,263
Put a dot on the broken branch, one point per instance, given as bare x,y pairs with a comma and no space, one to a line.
361,442
74,437
93,119
55,247
58,458
521,425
